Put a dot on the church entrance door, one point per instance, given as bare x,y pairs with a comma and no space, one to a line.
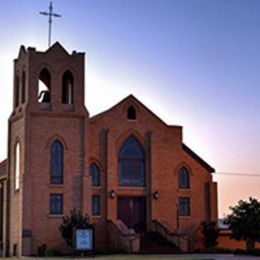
132,211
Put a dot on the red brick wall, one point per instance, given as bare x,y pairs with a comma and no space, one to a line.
38,126
225,241
85,141
16,199
167,156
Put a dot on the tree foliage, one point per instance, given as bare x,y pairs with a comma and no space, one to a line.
70,223
244,221
210,233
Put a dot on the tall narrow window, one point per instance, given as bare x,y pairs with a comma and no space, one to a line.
44,87
17,167
131,164
56,204
95,205
56,162
23,87
67,88
184,178
184,206
95,175
131,113
17,91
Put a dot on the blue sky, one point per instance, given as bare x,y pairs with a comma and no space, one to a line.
193,62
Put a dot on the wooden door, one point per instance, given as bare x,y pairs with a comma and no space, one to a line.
132,211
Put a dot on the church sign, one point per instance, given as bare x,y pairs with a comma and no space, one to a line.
84,239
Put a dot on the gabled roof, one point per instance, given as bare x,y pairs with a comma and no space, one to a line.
125,100
3,169
57,47
197,158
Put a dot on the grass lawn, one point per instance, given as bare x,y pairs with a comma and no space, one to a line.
118,257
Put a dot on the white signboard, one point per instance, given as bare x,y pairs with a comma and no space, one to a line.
84,239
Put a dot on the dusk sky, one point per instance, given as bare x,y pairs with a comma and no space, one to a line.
194,63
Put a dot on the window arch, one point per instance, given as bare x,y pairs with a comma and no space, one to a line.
131,113
67,88
184,178
44,86
56,162
131,164
17,167
95,175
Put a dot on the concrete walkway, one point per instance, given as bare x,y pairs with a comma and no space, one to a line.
222,257
152,257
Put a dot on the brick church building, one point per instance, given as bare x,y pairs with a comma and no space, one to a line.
125,168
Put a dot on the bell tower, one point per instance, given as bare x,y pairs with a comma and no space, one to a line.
47,146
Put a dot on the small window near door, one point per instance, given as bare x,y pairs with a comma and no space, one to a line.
184,206
96,205
56,204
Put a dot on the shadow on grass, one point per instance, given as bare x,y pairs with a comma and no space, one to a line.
119,257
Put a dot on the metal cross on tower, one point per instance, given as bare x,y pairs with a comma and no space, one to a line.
50,14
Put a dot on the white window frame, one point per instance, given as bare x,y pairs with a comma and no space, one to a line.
17,166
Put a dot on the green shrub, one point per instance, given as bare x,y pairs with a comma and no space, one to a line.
244,222
111,250
42,250
210,233
255,252
53,252
69,224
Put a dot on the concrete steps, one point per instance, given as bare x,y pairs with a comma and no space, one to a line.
154,243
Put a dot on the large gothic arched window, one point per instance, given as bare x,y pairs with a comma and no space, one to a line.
56,162
184,178
131,164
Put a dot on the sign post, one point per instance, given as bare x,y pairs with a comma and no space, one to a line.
84,240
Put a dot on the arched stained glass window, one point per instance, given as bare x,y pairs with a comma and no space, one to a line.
131,164
95,175
56,162
184,178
